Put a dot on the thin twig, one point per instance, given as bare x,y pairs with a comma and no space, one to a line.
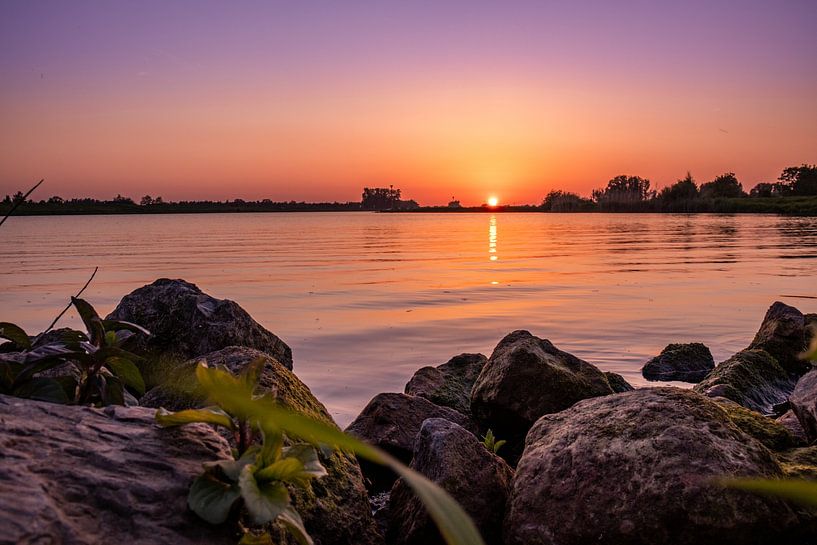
60,315
21,201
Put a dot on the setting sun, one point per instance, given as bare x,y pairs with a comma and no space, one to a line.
493,201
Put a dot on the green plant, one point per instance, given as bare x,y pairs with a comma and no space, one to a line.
95,368
235,403
491,443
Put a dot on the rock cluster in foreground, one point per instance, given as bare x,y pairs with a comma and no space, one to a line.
588,459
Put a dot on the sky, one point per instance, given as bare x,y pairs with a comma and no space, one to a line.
314,100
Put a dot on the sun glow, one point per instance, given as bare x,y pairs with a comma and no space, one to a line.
493,201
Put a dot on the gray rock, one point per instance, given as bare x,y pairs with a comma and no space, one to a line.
618,383
751,378
186,322
770,432
392,422
336,510
803,402
689,362
638,468
782,334
449,384
82,475
456,460
789,421
525,378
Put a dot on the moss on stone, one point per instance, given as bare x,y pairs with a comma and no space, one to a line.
771,433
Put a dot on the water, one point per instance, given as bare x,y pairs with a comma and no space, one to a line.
365,299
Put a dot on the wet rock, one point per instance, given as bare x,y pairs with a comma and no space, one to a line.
456,460
618,383
789,421
689,362
186,322
782,334
82,475
638,468
449,384
336,510
392,422
803,403
751,378
774,435
525,378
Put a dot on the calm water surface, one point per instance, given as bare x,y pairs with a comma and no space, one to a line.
365,299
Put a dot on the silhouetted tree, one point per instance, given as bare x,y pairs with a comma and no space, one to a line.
56,200
147,200
800,180
119,199
764,189
684,189
725,185
18,197
623,192
379,198
564,201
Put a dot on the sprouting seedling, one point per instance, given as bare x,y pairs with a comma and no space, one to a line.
491,442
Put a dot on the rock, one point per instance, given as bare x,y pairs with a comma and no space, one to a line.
638,468
449,384
751,378
803,402
336,510
82,475
392,422
689,362
525,378
774,435
456,460
186,322
782,334
799,463
789,421
618,383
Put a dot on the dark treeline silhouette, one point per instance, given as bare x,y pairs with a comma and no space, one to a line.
379,198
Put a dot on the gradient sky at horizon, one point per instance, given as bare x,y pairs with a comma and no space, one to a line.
314,100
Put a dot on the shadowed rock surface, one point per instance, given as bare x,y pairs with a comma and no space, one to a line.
337,510
456,460
770,432
392,421
751,378
783,335
186,322
449,384
803,403
618,383
525,378
636,468
688,362
77,475
789,421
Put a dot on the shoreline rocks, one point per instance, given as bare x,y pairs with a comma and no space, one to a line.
689,362
449,384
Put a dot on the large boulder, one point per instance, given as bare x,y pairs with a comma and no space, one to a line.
803,402
783,335
525,378
689,362
618,383
752,378
640,468
772,433
392,421
97,476
456,460
336,508
449,384
789,421
186,322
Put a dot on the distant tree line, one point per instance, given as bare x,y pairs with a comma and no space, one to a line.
634,194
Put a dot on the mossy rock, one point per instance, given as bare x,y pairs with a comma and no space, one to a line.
799,463
768,431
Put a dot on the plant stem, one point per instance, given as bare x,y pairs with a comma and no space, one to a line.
21,201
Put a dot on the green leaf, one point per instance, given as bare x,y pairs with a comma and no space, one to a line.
498,445
308,457
42,389
292,521
15,334
251,538
285,469
210,415
91,320
127,372
113,391
120,325
264,501
811,353
800,491
251,373
212,499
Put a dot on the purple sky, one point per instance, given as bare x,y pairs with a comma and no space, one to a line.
313,100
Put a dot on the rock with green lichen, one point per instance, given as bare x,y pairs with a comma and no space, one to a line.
799,463
687,362
751,378
449,384
335,508
783,335
765,429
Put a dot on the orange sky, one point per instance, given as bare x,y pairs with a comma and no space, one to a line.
213,107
